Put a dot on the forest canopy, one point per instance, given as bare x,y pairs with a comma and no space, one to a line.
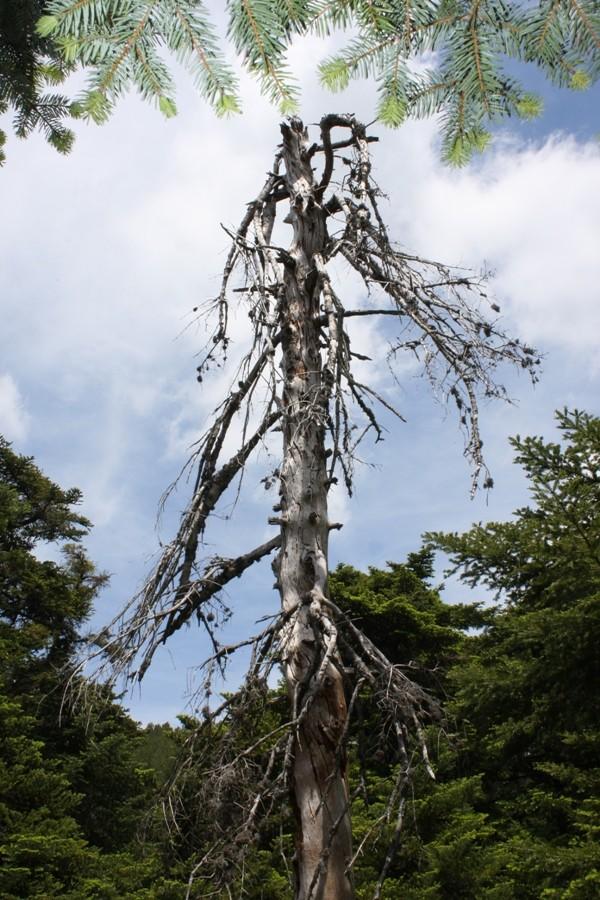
514,808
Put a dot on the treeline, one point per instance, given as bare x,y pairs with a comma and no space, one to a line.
514,810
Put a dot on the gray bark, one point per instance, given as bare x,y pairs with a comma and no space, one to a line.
318,777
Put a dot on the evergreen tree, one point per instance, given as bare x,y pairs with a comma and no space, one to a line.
514,808
42,850
73,793
42,603
527,693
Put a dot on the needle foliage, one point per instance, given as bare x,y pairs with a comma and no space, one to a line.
31,68
449,58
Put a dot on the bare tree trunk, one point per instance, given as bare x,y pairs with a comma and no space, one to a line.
318,776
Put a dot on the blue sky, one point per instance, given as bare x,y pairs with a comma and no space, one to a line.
106,252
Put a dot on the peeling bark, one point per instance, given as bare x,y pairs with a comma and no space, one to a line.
318,782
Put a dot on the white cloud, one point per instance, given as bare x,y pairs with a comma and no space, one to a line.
529,210
14,418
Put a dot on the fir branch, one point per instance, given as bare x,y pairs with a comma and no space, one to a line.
130,43
259,34
474,36
119,44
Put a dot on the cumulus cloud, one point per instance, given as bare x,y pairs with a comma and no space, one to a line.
527,210
14,418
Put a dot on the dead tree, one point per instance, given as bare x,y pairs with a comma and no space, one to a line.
299,372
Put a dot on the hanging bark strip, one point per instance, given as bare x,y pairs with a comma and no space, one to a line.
298,378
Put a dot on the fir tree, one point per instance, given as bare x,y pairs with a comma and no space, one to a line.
514,808
527,694
73,792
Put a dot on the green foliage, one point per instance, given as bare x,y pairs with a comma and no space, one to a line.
530,106
259,32
404,617
74,792
460,146
41,847
525,689
42,603
514,810
580,81
119,45
32,507
548,555
29,63
460,47
157,750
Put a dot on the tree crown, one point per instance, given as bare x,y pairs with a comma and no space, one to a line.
548,554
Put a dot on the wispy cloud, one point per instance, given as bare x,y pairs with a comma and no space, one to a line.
14,418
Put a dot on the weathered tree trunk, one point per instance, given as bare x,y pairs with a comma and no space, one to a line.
318,777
